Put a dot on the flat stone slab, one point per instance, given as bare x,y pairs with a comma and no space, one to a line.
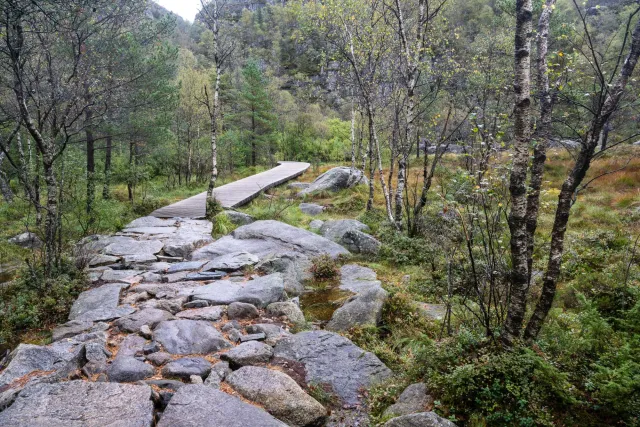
232,262
100,260
106,314
60,357
151,230
206,275
106,296
189,337
182,243
185,266
151,221
120,275
355,278
80,404
129,246
259,292
334,360
200,405
205,313
265,237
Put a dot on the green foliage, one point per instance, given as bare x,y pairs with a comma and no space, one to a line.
324,268
400,249
222,225
483,385
31,302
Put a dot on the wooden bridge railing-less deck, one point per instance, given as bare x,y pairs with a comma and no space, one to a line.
236,193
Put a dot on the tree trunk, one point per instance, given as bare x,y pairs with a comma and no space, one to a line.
91,168
51,218
575,178
387,198
130,181
213,113
5,189
106,192
253,138
518,179
543,133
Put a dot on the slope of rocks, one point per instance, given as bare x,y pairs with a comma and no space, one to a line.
175,330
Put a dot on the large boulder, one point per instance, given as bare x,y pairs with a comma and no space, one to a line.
239,218
333,360
260,292
358,242
415,398
336,179
363,309
201,405
26,240
311,209
280,395
262,238
422,419
288,309
294,267
81,404
189,337
336,229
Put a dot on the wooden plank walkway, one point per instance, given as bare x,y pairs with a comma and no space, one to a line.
236,193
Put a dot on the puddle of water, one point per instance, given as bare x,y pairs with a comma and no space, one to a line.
319,304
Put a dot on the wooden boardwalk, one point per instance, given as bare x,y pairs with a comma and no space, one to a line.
236,193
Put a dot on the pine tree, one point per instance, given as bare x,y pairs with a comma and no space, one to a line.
256,115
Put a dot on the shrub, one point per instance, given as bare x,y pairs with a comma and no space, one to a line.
31,302
324,268
480,384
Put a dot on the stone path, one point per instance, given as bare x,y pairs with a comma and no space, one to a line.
236,193
178,330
